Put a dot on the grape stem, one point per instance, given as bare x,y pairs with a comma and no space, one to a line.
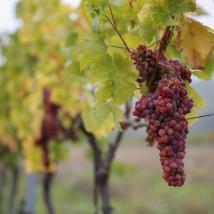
153,44
112,15
114,26
115,46
164,41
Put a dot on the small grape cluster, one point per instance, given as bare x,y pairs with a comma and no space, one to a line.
145,62
51,127
165,110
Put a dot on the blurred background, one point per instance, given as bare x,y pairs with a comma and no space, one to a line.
137,186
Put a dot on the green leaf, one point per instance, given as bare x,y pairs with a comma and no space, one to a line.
161,13
91,48
148,28
99,118
115,77
132,39
89,119
72,38
148,31
177,7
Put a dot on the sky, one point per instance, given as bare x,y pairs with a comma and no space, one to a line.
8,22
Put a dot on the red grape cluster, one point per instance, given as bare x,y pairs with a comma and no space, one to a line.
165,111
51,127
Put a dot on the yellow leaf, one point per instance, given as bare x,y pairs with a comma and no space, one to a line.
199,101
34,159
191,122
107,127
197,42
145,11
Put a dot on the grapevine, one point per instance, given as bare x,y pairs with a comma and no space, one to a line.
84,79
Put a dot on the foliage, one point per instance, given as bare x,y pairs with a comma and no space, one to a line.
42,61
83,56
144,19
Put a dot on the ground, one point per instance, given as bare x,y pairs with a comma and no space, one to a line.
137,188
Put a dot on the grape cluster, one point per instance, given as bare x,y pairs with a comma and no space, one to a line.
52,128
145,62
165,110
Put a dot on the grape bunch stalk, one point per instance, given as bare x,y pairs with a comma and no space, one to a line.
165,108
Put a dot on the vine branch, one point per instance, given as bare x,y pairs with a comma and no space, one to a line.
97,161
113,148
112,15
114,26
115,46
163,42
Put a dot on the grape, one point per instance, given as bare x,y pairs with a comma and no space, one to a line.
165,110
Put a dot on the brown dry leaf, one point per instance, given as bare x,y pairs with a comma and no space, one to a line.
196,40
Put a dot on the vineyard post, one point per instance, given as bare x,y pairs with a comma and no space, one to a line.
13,191
47,183
2,184
31,195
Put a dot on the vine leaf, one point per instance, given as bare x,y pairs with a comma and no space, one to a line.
177,7
151,16
196,41
208,71
100,118
115,77
91,48
161,13
199,103
132,39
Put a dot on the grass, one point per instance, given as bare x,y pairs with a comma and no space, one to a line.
141,191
